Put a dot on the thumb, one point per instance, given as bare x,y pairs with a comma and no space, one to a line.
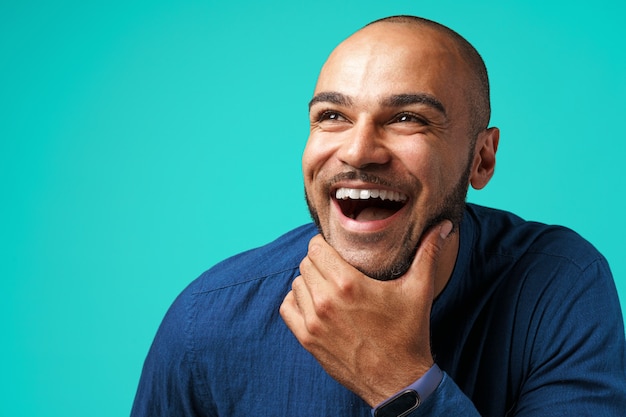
424,266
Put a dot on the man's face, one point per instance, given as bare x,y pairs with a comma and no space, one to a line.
389,153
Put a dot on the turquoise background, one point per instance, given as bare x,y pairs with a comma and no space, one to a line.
141,142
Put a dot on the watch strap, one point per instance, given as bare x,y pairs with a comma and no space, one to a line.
409,398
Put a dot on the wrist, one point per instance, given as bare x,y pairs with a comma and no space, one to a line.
408,399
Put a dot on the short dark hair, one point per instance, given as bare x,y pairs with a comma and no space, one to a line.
478,96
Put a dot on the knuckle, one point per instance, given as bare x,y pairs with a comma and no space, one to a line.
323,305
305,265
306,340
346,287
314,248
283,310
296,283
430,252
315,329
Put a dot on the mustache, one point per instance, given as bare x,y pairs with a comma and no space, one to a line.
360,175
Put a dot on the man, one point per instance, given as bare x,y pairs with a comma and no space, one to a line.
409,301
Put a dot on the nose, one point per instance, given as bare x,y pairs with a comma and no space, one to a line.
363,146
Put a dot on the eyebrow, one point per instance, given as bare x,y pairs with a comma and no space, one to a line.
331,97
396,100
399,100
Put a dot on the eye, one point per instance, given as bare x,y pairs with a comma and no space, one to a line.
331,116
409,118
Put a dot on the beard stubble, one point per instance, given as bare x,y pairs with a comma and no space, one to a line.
451,208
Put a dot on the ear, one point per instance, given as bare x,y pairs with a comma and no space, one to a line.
484,157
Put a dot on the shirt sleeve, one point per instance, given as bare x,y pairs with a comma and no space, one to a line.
448,400
575,360
169,384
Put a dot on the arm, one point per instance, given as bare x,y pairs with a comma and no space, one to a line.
575,361
371,336
167,386
550,342
574,342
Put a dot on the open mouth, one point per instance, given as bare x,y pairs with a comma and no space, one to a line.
365,205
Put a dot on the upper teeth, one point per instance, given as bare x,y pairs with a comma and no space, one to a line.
360,194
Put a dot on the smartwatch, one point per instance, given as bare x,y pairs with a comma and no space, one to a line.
408,399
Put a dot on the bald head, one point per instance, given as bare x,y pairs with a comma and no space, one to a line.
478,94
475,82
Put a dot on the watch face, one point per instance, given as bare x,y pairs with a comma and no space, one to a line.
398,406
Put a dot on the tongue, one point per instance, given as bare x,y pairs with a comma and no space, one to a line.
369,214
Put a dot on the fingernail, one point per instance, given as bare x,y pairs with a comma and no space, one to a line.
445,229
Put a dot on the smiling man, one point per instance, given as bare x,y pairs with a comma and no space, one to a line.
394,142
401,300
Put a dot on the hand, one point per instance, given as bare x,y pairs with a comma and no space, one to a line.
372,336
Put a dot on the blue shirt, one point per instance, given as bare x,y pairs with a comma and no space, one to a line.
528,325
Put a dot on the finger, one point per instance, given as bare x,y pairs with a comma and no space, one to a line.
331,270
291,314
297,306
323,257
429,251
299,315
310,278
302,297
316,295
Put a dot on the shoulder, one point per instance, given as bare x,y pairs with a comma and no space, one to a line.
237,300
501,233
542,295
535,263
221,290
279,256
542,269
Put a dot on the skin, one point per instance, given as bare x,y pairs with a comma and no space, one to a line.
373,336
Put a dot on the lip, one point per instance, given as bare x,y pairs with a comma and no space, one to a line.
373,226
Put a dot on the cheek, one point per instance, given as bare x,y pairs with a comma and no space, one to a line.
434,168
315,158
308,166
420,159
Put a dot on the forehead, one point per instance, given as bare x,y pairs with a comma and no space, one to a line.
393,58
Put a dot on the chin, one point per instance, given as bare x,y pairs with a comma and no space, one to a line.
378,266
